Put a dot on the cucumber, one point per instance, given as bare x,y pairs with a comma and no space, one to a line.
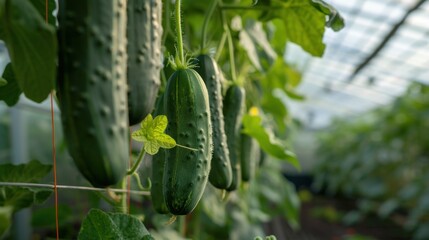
233,110
92,87
158,163
221,172
186,105
144,34
249,157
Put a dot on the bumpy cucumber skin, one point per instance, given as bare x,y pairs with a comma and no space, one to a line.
92,87
249,157
221,172
186,105
233,110
158,164
144,34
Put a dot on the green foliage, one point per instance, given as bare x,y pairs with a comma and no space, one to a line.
253,127
151,133
11,91
382,159
32,47
22,197
3,82
40,5
100,225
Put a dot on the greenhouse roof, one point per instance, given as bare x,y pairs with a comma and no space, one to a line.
382,49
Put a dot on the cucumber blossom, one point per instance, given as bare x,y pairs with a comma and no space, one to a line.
92,87
144,34
233,110
220,173
186,105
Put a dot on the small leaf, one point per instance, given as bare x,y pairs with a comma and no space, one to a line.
40,5
11,92
152,134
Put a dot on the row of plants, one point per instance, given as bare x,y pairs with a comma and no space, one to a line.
110,64
381,160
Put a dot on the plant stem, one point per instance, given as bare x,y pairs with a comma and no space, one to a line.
220,47
230,46
123,205
180,53
138,162
206,22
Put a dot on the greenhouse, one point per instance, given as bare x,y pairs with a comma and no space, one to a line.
217,119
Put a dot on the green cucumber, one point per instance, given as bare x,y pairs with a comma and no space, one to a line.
233,110
92,87
158,164
221,172
144,34
186,105
249,157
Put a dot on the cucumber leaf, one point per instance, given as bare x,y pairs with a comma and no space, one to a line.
335,20
10,92
267,141
32,48
22,197
100,225
151,133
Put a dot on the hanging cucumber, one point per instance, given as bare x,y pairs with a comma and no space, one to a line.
233,110
249,156
158,164
220,173
186,171
186,104
92,87
144,34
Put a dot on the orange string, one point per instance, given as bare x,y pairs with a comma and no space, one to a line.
54,158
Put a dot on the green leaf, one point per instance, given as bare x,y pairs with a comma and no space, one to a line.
22,197
40,5
9,93
335,20
130,227
100,225
294,95
3,82
5,220
267,141
32,48
151,133
303,24
254,40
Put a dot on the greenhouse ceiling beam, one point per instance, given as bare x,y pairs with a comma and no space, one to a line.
383,43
